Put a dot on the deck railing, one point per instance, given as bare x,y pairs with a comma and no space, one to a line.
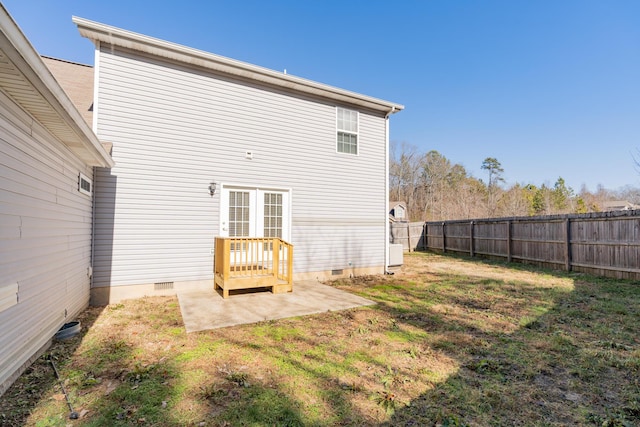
252,262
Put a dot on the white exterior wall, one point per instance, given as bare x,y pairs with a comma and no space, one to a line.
45,237
175,129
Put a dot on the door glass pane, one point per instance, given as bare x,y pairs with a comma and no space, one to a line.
238,213
273,215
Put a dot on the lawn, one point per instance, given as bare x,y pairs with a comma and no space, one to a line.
451,342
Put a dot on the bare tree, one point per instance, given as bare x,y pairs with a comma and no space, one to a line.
514,202
435,169
404,171
436,189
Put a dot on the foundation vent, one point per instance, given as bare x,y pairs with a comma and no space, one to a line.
337,272
161,286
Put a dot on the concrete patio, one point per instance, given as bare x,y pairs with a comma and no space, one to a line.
206,309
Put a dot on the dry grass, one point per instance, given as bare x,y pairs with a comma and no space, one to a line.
450,342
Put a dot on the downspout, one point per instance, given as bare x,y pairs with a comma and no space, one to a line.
94,126
93,230
386,191
96,67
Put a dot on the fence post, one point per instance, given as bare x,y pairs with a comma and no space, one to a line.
444,239
425,244
567,246
409,236
471,238
509,257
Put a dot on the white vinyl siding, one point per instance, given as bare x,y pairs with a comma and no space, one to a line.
45,236
174,130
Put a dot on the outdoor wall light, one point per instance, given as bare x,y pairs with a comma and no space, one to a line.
212,188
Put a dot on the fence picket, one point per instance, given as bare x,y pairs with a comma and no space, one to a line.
604,243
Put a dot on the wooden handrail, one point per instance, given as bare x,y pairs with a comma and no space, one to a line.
245,262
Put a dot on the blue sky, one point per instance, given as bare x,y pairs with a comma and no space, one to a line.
550,88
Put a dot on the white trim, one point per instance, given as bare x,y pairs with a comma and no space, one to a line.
127,39
387,231
96,86
22,54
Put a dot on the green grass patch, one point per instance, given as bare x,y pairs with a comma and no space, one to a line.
450,342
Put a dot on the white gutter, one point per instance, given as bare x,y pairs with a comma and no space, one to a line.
23,55
114,36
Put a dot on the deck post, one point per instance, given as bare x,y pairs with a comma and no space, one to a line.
275,266
226,261
290,265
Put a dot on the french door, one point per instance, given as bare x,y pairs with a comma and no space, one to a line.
254,212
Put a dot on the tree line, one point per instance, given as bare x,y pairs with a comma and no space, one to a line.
435,189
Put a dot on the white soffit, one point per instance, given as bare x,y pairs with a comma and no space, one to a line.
27,80
98,32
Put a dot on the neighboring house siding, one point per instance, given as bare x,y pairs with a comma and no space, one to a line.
45,236
175,129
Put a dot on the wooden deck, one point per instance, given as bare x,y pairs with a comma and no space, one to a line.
253,262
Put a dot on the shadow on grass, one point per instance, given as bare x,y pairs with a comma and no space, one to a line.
319,378
562,351
151,394
526,353
251,403
574,358
39,380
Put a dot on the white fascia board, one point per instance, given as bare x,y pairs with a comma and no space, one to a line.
24,56
98,32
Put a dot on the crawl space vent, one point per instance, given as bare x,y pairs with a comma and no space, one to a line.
337,272
161,286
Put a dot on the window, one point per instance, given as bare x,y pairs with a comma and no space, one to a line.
84,184
347,124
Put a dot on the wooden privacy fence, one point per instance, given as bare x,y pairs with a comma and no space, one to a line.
409,234
604,244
